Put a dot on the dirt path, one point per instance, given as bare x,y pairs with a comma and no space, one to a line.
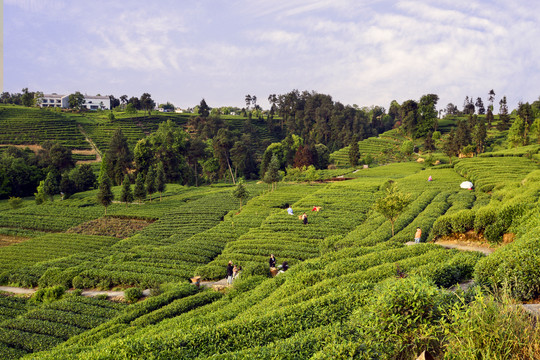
87,293
93,145
466,246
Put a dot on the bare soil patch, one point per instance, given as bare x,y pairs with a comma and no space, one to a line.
7,240
36,148
469,241
117,227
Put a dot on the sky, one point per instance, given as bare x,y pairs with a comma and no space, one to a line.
363,52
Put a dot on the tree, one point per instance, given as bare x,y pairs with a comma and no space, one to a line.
480,135
525,111
427,115
40,195
160,179
143,155
303,157
468,106
105,195
27,98
450,146
222,144
248,101
204,110
354,152
114,101
535,131
517,132
504,119
429,144
409,114
392,204
150,182
67,186
272,173
169,144
140,190
130,109
322,155
50,187
480,105
240,192
196,150
147,103
491,98
127,195
489,117
118,157
76,100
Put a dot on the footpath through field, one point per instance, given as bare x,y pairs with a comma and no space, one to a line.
87,293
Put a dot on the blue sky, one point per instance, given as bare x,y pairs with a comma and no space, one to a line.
359,51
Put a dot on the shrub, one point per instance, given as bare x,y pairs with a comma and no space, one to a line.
50,294
462,221
494,232
133,294
484,216
15,202
442,226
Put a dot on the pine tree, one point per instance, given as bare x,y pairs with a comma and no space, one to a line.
127,194
161,182
504,118
489,117
105,195
150,182
354,152
140,190
480,134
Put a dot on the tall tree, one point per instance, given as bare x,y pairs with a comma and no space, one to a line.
504,118
271,175
354,152
480,135
489,117
480,105
525,111
392,204
196,150
248,101
409,114
429,144
140,190
127,195
147,103
67,186
118,156
491,99
161,182
517,133
427,115
204,110
150,182
222,144
105,195
143,155
40,195
51,187
450,145
27,98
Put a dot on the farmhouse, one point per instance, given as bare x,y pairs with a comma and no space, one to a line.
62,101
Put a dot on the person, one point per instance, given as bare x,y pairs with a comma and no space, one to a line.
284,267
229,272
418,235
238,270
234,272
289,210
304,219
316,208
272,261
429,178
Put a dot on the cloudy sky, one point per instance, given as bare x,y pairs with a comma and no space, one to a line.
364,52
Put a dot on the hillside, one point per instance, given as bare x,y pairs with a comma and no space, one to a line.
353,289
340,263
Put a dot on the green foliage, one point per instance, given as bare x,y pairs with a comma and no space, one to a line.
127,193
392,204
240,192
401,319
150,182
105,195
50,185
354,153
132,295
15,202
140,190
50,294
40,196
407,147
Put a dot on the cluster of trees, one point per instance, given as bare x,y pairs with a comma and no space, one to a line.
526,127
21,171
469,136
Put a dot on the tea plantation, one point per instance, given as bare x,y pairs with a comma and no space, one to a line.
353,288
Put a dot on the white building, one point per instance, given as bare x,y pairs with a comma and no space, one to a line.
62,101
54,100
